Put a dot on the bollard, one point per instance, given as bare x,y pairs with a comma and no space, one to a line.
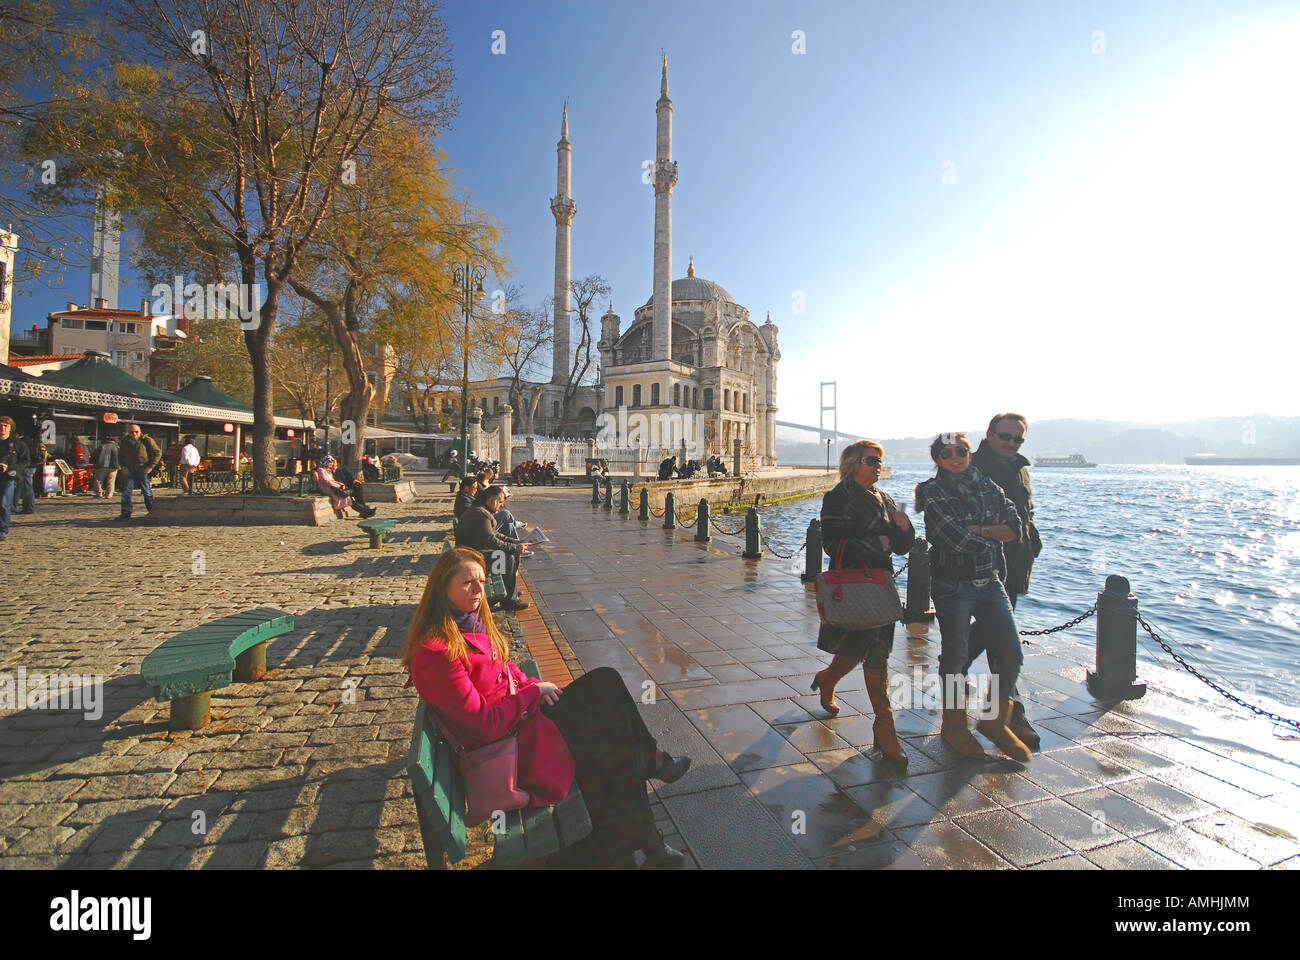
753,539
670,511
917,609
643,510
702,522
595,491
1116,674
812,562
624,499
608,501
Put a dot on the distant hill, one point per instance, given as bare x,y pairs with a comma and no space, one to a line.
1105,441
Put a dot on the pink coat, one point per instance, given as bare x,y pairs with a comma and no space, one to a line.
340,496
472,696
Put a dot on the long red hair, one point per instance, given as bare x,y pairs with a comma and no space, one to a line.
434,616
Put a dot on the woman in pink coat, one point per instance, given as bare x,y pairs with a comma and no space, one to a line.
340,496
591,730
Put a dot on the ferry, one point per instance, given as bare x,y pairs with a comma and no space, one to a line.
1073,460
1211,460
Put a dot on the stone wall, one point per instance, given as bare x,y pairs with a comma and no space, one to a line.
724,490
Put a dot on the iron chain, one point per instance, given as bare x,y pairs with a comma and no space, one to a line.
724,531
785,556
1065,626
900,570
1210,683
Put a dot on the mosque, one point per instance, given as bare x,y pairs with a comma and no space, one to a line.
691,351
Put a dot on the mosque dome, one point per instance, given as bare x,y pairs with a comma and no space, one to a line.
691,287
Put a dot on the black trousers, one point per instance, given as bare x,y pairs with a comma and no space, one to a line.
615,754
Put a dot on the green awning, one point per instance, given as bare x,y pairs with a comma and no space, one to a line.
96,373
202,390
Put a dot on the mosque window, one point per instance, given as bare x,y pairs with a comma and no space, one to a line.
654,394
618,396
677,394
636,394
708,398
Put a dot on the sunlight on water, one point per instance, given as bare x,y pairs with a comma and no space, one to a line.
1211,553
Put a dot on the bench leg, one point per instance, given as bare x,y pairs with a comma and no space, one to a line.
433,854
192,712
376,541
251,664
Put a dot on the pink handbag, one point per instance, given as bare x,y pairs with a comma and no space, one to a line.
491,773
856,599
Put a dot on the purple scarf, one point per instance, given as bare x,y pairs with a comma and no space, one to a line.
469,622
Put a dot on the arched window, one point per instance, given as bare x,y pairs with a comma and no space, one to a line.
496,404
654,394
677,394
695,398
745,402
708,398
618,396
636,394
555,409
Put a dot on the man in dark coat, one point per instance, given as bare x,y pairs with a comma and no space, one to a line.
15,455
140,456
999,459
477,528
668,467
465,498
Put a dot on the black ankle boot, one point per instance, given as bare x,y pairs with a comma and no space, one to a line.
670,769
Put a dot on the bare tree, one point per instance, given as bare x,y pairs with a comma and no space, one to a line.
586,292
518,349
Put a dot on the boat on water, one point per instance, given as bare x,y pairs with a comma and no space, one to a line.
1211,460
1073,460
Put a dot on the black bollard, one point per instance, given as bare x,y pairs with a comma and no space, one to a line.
918,609
702,522
608,500
670,511
595,491
1116,674
812,562
643,509
753,539
624,499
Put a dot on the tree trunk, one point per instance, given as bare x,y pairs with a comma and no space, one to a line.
258,343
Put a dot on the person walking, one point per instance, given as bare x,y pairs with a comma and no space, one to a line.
108,460
999,459
866,524
140,456
25,494
590,732
967,519
190,460
14,456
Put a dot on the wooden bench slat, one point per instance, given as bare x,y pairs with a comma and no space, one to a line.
454,843
540,837
510,848
572,817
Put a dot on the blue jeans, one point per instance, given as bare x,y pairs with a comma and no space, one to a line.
507,526
975,644
6,503
130,480
25,494
955,603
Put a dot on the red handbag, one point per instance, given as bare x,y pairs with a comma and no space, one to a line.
491,773
856,599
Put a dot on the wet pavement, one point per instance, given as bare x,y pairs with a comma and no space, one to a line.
306,767
725,649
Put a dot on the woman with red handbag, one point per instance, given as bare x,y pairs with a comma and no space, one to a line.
460,664
862,526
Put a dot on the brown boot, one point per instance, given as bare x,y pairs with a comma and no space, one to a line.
957,734
886,737
996,730
1019,725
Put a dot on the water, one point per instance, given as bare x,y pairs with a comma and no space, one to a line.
1213,554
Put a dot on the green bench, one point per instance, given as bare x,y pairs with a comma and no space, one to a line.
440,803
186,668
378,530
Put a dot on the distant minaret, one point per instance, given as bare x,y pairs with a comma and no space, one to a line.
104,254
563,207
665,177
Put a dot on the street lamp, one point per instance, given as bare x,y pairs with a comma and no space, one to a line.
469,280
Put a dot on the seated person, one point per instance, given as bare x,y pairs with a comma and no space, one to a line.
340,495
477,528
358,489
591,731
370,470
465,498
667,468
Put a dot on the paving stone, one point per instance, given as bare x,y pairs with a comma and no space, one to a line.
677,735
811,737
1012,837
743,738
893,805
1193,851
822,819
1169,802
729,829
1118,812
1008,789
1262,843
950,792
1069,825
1072,862
724,694
1056,778
945,846
887,855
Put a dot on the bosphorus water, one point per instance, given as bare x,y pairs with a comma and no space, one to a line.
1213,554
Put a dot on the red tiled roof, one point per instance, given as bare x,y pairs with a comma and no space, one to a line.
96,313
45,358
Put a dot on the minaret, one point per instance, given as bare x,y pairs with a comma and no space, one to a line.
665,178
563,207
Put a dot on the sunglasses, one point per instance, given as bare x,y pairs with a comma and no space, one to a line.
1009,438
947,453
872,461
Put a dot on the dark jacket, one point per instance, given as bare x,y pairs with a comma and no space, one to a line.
852,515
956,553
1013,478
108,456
667,467
464,501
140,455
14,455
477,528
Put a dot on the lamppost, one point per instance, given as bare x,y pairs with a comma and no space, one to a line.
469,280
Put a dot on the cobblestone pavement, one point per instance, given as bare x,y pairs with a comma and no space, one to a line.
728,648
305,768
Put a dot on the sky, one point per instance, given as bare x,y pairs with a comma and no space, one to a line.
1067,209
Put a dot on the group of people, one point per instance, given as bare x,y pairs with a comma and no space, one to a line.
979,515
712,467
484,524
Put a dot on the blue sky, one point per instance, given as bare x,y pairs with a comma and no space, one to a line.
1117,240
